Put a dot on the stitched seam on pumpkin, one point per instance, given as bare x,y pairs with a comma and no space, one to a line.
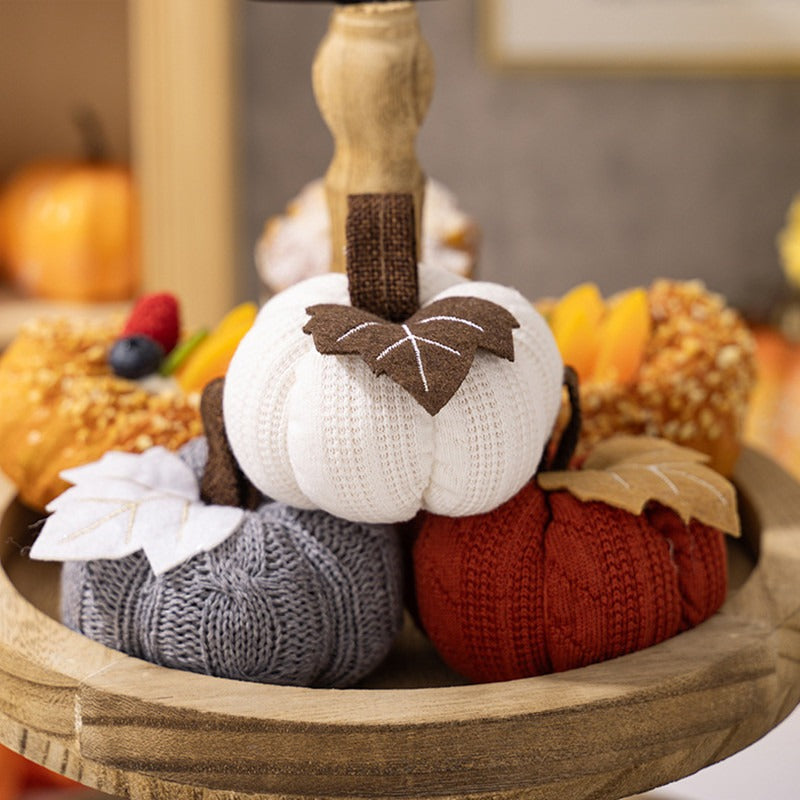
663,531
700,482
356,329
675,565
126,507
621,622
656,470
412,339
418,356
472,621
686,602
620,480
660,585
446,318
565,632
438,344
558,629
522,646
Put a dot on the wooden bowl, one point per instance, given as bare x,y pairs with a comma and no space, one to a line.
605,731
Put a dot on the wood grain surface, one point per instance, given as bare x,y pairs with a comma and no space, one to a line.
183,77
605,731
373,81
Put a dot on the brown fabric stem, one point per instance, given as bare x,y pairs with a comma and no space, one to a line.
223,482
569,438
382,255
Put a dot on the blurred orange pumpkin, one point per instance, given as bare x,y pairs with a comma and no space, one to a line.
68,229
772,421
26,183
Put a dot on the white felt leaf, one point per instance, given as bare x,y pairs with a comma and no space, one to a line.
86,528
156,467
202,528
119,506
120,489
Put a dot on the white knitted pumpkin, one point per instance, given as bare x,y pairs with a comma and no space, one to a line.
322,431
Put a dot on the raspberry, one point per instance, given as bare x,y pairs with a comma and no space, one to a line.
156,316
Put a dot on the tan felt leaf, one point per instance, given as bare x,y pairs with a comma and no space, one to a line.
430,354
628,472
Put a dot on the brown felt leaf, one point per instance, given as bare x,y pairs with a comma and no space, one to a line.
630,471
430,354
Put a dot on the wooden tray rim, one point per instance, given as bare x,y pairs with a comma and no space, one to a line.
745,660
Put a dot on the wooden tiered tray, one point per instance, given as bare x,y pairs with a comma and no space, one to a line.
605,731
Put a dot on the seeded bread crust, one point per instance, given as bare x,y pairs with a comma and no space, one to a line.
61,406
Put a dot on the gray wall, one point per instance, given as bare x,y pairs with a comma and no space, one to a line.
612,180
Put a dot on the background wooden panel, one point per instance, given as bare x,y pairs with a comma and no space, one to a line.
162,78
55,56
184,100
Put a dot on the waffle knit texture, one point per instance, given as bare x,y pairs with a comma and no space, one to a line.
293,597
547,583
317,431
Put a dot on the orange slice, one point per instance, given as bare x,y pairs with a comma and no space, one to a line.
622,339
211,357
574,321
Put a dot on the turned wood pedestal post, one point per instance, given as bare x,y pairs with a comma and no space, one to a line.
373,80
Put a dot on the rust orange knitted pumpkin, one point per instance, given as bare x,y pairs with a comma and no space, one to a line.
554,579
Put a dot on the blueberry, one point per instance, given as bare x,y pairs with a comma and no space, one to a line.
135,356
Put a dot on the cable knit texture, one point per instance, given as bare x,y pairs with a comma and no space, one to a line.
293,597
323,432
548,583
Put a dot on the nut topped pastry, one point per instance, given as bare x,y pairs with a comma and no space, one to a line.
694,371
72,389
61,405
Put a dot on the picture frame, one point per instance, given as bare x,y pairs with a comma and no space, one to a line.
748,37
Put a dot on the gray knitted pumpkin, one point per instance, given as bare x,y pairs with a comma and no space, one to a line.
291,597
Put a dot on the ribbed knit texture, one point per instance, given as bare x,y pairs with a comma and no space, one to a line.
548,583
293,597
323,432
